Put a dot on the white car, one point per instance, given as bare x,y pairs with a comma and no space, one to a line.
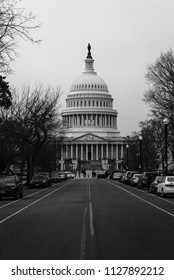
116,175
134,180
166,187
70,175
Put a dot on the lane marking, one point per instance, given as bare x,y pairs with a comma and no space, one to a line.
91,225
14,214
83,241
155,206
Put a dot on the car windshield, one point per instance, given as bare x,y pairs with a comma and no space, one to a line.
170,179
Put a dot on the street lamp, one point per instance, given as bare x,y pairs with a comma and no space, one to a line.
166,121
127,157
140,163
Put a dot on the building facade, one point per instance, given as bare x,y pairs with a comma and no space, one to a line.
92,139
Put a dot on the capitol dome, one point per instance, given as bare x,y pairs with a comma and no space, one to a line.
89,82
91,138
89,100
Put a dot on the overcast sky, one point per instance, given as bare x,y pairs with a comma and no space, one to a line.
125,36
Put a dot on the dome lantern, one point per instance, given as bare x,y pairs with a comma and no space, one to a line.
89,61
89,80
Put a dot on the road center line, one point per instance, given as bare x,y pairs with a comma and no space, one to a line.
14,214
90,211
159,208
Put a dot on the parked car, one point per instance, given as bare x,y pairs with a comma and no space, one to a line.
10,186
153,185
166,187
101,174
63,176
128,176
55,177
116,175
134,180
70,175
46,174
40,180
145,180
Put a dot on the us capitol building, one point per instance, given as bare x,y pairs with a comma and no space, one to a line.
92,138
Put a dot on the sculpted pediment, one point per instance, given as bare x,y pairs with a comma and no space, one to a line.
89,137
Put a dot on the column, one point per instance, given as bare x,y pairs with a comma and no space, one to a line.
92,151
121,151
106,150
100,120
66,151
61,152
112,151
96,151
71,151
76,151
116,152
86,151
73,118
82,120
101,151
81,151
105,121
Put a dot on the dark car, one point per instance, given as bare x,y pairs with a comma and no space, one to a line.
10,186
153,185
55,177
47,174
63,176
146,179
40,180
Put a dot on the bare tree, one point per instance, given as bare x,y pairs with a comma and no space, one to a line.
14,22
160,94
37,120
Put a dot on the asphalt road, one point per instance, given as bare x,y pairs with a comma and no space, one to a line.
87,219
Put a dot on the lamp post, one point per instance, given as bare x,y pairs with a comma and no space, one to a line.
166,121
140,163
127,157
